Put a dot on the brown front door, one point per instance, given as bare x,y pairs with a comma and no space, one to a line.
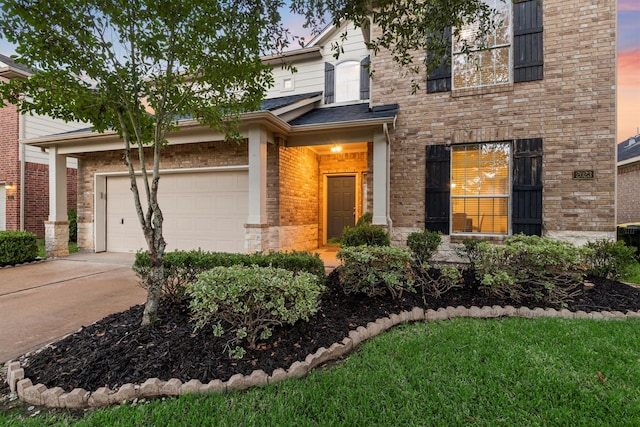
341,204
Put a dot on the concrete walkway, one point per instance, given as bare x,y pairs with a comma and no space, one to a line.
42,302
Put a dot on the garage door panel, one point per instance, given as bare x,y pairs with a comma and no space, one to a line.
201,210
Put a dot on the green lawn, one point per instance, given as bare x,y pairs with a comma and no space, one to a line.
498,372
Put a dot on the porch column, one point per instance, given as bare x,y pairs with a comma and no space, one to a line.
57,227
256,228
380,179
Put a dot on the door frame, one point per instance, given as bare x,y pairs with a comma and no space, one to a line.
325,198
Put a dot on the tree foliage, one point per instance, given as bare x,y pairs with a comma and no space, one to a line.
136,67
413,32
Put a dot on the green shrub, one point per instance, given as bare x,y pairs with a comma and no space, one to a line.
469,250
375,270
252,300
365,219
17,247
530,268
73,225
609,259
423,244
182,267
365,234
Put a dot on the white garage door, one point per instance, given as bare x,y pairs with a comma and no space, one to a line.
204,210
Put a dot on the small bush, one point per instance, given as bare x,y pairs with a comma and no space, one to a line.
182,267
423,244
17,247
365,219
375,270
73,225
469,250
530,268
365,234
609,259
252,300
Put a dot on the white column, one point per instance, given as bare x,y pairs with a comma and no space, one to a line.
257,176
256,228
57,228
380,179
57,186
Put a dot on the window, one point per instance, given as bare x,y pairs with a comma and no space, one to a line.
484,188
347,81
512,52
480,188
488,62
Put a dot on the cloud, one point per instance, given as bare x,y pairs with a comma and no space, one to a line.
629,68
628,6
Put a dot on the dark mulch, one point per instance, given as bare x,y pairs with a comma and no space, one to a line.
116,350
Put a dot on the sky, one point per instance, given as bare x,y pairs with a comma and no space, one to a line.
628,65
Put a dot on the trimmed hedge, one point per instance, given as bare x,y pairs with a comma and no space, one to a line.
365,234
182,267
17,247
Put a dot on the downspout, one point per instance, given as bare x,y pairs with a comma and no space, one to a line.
23,152
385,129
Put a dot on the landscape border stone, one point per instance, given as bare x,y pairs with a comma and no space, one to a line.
39,394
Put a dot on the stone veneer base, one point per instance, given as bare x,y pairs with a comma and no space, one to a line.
39,394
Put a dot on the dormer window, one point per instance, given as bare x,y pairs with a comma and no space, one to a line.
346,81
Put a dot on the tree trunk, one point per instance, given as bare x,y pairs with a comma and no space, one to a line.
155,281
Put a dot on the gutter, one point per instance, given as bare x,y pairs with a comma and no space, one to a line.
342,125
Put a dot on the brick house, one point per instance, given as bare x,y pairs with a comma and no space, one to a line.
629,180
24,171
516,138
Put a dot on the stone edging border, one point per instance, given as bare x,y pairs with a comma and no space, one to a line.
39,394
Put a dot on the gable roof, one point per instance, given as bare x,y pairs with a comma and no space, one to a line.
629,149
11,69
285,101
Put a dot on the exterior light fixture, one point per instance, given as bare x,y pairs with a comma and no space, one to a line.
8,186
336,149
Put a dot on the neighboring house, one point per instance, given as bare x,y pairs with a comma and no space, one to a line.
523,140
629,180
24,171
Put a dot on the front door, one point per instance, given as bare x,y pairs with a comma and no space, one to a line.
341,204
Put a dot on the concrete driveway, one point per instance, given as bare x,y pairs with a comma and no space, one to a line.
40,303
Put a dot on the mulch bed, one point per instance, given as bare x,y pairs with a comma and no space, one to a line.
117,350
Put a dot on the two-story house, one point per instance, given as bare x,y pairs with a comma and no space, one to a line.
517,137
24,170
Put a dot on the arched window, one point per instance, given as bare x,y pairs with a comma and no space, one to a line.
347,81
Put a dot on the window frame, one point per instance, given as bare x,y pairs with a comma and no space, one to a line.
479,196
475,52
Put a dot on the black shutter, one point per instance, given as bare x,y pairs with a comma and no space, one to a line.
364,78
526,214
437,190
527,41
329,83
439,80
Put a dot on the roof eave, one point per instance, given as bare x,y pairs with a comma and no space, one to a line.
319,127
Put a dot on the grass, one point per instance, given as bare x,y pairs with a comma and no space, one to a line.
635,276
498,372
73,248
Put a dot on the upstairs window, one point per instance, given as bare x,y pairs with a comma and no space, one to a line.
346,81
487,62
512,52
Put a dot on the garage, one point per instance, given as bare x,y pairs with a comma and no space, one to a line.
204,210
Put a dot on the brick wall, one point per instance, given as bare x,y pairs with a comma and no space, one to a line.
36,199
572,109
298,186
628,193
10,163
